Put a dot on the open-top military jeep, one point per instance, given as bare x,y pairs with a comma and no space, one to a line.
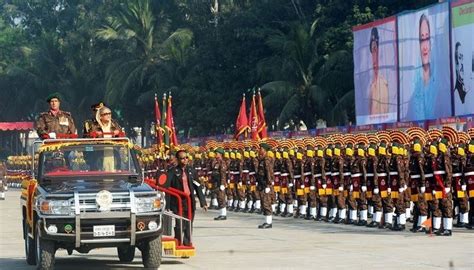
86,194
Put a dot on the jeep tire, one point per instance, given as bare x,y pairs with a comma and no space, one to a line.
45,251
126,254
151,253
29,245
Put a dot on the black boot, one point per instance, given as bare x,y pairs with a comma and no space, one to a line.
373,224
220,218
447,233
265,226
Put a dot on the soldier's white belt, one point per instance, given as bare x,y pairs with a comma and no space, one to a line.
439,172
335,174
356,175
393,173
317,175
428,175
307,173
234,172
469,173
457,174
346,174
276,173
245,171
251,173
284,174
297,176
415,176
382,174
328,173
369,174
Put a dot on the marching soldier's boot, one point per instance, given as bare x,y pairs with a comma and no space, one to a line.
448,226
370,213
332,214
282,209
302,213
235,206
222,214
388,221
341,217
312,213
258,206
289,209
408,214
267,224
2,195
401,221
249,207
421,220
463,219
323,211
352,217
362,218
274,207
230,204
437,225
376,220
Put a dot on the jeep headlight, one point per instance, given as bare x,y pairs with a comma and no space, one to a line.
54,207
149,204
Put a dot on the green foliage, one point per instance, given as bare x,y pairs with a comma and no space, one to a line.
207,53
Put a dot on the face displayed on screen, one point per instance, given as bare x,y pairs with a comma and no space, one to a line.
374,49
425,45
459,59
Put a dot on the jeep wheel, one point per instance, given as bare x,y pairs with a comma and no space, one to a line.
126,254
29,245
151,253
45,251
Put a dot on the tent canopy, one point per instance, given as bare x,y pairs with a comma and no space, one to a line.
4,126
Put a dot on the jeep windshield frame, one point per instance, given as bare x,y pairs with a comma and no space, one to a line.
87,159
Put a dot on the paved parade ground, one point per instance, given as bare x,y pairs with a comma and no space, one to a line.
291,244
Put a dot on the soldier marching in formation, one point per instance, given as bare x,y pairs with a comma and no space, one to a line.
381,180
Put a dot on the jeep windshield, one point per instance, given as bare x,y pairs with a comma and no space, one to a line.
88,160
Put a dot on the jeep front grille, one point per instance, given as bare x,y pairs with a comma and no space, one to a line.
120,203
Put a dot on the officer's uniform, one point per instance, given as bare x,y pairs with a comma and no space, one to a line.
264,179
61,123
218,179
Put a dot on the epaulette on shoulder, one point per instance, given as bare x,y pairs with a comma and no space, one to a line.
67,113
44,113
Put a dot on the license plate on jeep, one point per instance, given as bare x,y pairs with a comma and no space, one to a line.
104,230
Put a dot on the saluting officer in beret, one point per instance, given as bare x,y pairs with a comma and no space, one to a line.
89,123
53,122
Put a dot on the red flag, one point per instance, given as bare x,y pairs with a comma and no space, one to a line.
262,124
242,123
253,118
170,123
159,134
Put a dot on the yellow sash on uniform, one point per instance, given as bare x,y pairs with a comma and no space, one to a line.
368,194
284,190
460,194
231,185
414,198
299,192
355,194
471,193
306,190
321,192
253,188
394,194
428,196
384,194
276,188
439,195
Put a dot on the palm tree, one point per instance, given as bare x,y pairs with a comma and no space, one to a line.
296,92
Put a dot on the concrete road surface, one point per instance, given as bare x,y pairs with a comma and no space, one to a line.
291,244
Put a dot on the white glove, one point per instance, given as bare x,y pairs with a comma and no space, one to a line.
228,181
447,189
312,188
389,190
302,186
434,192
351,188
341,188
52,135
222,187
376,190
239,184
267,190
290,184
400,190
273,183
324,186
363,188
405,187
423,189
463,187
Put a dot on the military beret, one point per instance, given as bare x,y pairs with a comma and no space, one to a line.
220,150
265,146
54,95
